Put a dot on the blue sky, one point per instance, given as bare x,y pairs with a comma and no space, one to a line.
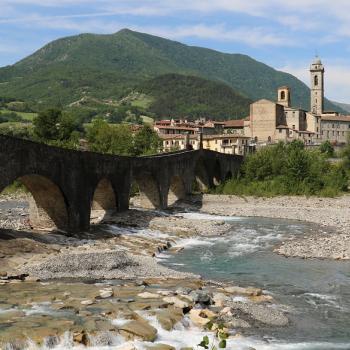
283,34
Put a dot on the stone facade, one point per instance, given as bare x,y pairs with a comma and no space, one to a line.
335,128
317,87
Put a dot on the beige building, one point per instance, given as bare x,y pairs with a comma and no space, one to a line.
226,143
270,121
335,128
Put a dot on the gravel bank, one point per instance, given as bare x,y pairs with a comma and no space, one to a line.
331,213
115,264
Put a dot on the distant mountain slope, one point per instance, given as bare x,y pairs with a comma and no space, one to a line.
344,106
107,66
176,95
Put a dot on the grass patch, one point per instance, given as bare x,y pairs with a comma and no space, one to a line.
15,188
25,115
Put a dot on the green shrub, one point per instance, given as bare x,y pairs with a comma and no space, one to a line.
287,169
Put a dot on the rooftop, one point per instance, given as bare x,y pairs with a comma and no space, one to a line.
234,123
336,118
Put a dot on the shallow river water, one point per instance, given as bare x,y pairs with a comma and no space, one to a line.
315,293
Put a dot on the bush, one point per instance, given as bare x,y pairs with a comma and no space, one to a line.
287,169
327,149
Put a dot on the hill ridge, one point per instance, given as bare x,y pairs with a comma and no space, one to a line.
111,65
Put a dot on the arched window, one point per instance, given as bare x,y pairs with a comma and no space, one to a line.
316,80
283,95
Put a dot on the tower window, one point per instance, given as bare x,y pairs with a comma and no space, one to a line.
283,95
316,80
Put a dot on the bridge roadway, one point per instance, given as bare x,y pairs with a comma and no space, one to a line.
66,185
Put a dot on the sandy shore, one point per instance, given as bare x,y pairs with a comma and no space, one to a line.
332,214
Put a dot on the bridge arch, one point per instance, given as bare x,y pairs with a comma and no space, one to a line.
47,204
201,176
177,190
217,176
149,191
104,199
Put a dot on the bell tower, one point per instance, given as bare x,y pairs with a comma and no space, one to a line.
317,87
283,96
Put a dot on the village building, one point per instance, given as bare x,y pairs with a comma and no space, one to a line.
335,128
223,143
269,122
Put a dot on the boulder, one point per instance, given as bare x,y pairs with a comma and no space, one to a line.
220,299
177,302
147,295
169,317
160,347
138,329
201,296
249,291
106,293
201,317
126,346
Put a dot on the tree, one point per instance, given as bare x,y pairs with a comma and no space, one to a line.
346,155
112,139
327,149
146,141
53,125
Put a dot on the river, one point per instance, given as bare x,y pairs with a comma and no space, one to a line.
315,293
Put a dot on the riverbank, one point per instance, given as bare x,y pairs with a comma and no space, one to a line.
116,293
124,248
332,214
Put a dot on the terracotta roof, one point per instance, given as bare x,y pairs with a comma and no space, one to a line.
177,136
336,118
225,136
176,127
234,123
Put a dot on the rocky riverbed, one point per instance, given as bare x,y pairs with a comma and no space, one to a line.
116,292
333,214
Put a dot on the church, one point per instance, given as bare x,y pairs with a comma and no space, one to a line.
270,121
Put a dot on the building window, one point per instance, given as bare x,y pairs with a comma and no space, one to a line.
316,80
283,95
280,131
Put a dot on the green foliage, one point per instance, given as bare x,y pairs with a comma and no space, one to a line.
346,155
118,139
146,142
220,336
111,66
20,130
53,125
288,169
15,187
111,139
6,117
327,149
179,96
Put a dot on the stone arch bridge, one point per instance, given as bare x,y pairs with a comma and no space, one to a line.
67,184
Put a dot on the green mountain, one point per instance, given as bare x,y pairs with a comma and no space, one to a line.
111,66
175,95
344,106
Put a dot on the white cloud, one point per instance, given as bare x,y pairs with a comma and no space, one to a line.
251,36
